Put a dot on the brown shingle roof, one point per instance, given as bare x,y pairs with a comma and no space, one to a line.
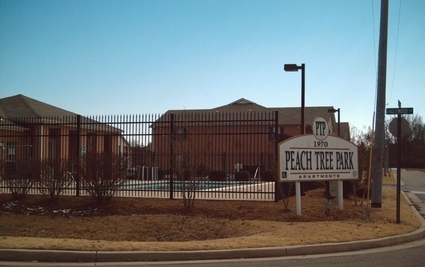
20,109
23,106
287,116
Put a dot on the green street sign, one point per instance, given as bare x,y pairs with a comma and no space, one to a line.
396,111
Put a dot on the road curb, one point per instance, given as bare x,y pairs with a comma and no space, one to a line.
134,256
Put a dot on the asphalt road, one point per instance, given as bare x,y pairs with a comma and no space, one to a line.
406,255
414,182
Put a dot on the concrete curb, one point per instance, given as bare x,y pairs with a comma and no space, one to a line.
134,256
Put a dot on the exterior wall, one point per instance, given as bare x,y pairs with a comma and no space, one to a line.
10,149
217,140
36,141
218,145
292,130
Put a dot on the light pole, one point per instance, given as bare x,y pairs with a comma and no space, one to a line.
332,110
295,67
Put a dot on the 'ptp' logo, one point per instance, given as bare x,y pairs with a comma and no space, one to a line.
320,128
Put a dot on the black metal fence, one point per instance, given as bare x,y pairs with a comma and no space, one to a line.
218,155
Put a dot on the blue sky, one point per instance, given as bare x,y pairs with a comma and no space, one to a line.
137,57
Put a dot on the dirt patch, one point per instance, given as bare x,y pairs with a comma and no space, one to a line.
78,223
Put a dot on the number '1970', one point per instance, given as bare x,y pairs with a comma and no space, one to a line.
320,144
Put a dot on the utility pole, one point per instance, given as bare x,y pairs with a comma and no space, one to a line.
378,146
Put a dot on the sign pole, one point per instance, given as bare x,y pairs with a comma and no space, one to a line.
340,195
398,111
398,164
298,197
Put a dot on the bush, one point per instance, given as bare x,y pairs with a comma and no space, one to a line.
242,176
20,176
54,178
217,176
289,189
101,175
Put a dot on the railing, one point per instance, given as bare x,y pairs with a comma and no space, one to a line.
149,155
257,171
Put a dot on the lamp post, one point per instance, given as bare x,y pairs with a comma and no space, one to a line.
295,67
332,110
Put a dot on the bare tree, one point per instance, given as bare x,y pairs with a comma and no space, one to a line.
54,178
364,142
102,174
192,151
285,195
20,176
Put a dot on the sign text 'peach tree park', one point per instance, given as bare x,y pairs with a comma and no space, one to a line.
317,157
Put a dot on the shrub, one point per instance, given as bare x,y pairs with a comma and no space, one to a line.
101,175
54,178
242,176
217,176
20,176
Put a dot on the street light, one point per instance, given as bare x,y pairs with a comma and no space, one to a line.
295,67
332,110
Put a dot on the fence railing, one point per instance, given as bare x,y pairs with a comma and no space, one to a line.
147,155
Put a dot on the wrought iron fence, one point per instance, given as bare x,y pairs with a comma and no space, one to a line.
220,155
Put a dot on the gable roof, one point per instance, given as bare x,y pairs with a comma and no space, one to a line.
287,116
8,125
239,105
19,109
292,115
23,106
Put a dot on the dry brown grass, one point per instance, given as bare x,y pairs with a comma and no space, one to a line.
77,223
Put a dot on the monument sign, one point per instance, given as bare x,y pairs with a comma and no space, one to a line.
317,157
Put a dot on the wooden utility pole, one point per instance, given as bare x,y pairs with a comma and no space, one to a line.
378,147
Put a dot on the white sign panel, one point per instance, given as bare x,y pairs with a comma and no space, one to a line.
317,157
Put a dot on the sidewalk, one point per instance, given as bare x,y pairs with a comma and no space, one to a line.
134,256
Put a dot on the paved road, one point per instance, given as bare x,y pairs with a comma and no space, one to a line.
406,255
414,183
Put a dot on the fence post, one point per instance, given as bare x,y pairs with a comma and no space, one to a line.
223,162
277,188
77,171
171,156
